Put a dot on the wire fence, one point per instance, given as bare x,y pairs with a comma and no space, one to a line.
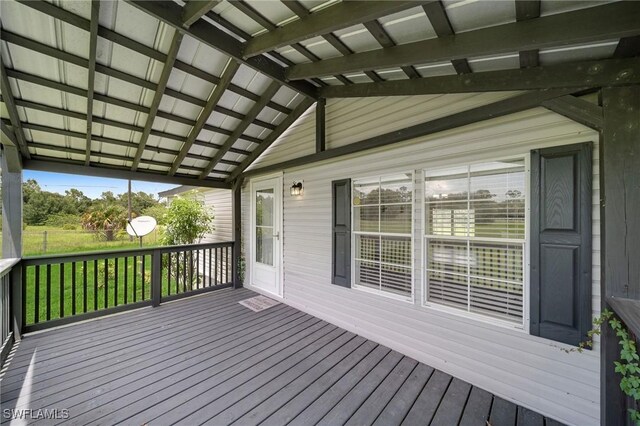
52,241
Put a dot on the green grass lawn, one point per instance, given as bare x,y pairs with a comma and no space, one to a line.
59,240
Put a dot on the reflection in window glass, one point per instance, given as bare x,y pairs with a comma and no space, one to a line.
475,236
382,219
264,226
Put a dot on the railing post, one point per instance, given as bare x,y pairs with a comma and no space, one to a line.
237,231
15,294
156,278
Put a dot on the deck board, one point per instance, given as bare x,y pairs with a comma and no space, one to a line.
209,360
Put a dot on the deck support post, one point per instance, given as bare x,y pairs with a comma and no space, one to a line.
238,271
156,278
620,227
320,125
11,207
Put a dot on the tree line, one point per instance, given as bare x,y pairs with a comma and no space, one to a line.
73,209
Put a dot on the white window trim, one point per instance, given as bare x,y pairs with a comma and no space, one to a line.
425,304
407,299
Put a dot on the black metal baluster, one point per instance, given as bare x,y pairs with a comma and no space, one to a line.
84,286
73,288
48,292
36,317
126,278
210,268
168,274
185,273
177,255
215,273
135,278
197,269
61,284
95,284
190,287
106,283
143,283
115,288
24,294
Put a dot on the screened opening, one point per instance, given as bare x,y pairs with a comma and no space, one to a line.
475,238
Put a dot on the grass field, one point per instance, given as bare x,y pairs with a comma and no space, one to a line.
59,241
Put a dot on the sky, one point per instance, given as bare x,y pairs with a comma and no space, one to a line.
91,186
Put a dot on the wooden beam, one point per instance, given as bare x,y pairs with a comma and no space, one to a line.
613,72
269,140
525,10
474,115
214,98
237,231
333,18
93,47
11,205
8,136
378,32
196,9
9,101
605,22
241,127
440,22
12,158
620,227
84,24
155,104
50,165
320,125
628,47
113,101
577,110
170,13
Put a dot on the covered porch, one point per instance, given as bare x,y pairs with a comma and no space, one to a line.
210,360
201,93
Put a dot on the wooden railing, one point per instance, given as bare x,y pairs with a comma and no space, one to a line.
61,289
6,328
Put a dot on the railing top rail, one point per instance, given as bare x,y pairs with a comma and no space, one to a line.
6,265
108,254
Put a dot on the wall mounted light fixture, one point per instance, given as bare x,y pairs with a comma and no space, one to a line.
296,188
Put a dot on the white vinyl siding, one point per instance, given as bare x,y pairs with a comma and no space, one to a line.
525,369
382,228
219,201
475,238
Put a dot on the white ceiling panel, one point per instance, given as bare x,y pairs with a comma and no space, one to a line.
208,59
321,48
275,12
256,131
550,7
77,7
494,63
573,53
466,15
239,19
434,70
408,26
357,38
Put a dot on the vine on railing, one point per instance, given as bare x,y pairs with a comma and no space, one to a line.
629,364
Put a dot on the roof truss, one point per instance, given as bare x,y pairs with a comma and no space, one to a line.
93,45
609,21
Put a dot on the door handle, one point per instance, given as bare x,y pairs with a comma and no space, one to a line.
276,236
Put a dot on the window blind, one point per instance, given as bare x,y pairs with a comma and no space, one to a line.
475,238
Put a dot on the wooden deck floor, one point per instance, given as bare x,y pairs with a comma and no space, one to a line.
209,360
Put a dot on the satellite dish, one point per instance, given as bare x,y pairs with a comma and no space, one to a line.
141,226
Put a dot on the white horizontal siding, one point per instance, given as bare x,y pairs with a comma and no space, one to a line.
525,369
219,201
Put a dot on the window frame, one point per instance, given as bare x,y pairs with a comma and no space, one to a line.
526,262
412,235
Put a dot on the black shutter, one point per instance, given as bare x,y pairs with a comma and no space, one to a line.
341,241
561,242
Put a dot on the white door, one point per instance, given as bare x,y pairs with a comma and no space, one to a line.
266,208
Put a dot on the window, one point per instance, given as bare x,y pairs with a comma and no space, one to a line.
382,224
475,238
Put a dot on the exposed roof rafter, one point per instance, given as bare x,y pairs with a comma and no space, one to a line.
269,140
155,104
582,26
9,101
214,98
578,74
525,10
339,16
440,22
378,32
241,127
170,13
196,9
93,46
